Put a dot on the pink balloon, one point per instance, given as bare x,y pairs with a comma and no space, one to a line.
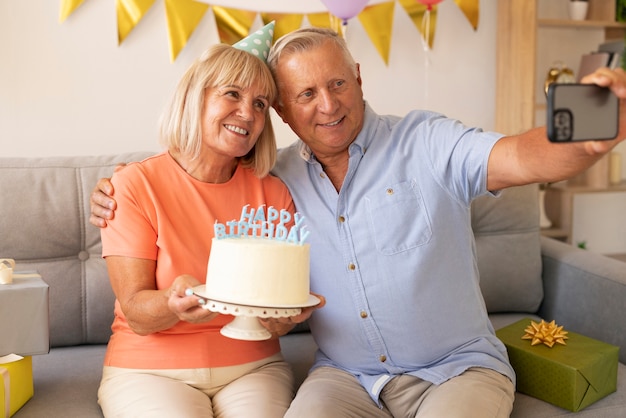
429,3
345,9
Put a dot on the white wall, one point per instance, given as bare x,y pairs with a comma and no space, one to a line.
69,89
598,220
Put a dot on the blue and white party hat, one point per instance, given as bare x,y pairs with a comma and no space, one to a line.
259,42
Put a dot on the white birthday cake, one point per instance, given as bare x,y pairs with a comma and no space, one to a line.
259,261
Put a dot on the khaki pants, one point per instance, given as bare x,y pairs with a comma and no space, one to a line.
330,392
259,389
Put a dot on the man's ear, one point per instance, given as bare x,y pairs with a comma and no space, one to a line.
358,74
279,109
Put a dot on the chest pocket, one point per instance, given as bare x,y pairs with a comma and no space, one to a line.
398,218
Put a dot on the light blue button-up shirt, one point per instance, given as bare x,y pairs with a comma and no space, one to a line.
393,252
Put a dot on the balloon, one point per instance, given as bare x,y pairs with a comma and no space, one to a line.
429,3
345,9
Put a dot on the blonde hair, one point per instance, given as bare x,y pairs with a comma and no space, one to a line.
181,122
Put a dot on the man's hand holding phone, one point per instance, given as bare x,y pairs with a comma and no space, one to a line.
582,112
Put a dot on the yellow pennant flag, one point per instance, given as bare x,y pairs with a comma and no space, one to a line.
182,18
426,26
338,24
471,10
67,8
232,24
285,23
320,20
129,13
377,20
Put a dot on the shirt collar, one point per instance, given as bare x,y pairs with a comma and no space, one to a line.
304,151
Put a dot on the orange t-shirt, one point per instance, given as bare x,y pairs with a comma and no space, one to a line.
166,215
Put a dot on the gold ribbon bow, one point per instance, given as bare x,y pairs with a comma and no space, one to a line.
546,333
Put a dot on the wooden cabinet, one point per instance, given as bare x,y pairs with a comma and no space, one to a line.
532,35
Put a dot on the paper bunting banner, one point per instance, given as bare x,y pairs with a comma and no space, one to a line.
285,23
377,21
470,9
417,14
129,13
183,16
67,8
233,24
324,20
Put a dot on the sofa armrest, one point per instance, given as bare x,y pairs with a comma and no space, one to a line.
585,292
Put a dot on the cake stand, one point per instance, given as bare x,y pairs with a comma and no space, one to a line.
246,324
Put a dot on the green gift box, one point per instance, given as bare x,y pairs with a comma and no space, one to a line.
16,383
571,376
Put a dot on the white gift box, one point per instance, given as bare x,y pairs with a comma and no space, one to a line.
24,327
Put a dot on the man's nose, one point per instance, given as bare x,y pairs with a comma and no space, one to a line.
327,102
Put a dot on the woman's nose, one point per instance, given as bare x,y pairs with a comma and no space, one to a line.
245,110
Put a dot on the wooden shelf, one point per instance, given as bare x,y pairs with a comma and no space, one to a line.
559,206
518,36
556,233
531,35
564,186
580,24
620,257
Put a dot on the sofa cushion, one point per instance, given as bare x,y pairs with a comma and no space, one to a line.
508,249
45,225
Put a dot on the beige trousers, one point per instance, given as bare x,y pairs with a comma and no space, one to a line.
261,389
329,392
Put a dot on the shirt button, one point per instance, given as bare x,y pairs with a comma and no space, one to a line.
322,175
382,358
342,219
363,314
351,266
389,191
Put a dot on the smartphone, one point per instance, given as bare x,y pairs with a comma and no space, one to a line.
581,112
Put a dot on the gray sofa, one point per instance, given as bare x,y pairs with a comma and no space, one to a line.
44,211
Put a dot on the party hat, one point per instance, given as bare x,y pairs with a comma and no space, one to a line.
259,42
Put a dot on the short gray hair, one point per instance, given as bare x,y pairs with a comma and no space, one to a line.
305,39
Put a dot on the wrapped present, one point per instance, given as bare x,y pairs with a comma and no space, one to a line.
571,373
16,383
24,328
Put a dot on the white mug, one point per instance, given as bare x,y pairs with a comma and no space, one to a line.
6,270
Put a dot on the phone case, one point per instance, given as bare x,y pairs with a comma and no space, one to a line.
581,112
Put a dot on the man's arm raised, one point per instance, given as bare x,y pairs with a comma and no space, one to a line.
531,158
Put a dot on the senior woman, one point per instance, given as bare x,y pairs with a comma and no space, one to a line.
166,356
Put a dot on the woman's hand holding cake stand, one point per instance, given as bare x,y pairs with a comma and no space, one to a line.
184,304
281,326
